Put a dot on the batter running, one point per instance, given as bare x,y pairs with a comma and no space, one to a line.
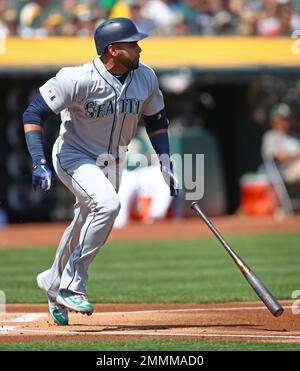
100,104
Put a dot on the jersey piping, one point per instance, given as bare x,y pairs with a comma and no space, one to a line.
115,110
118,146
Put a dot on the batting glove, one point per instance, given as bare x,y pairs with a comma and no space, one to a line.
170,179
41,177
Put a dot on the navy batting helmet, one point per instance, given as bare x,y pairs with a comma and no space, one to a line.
116,30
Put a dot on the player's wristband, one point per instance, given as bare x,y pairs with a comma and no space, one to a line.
35,147
156,122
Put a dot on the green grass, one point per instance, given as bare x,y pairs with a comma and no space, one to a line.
195,270
165,271
150,345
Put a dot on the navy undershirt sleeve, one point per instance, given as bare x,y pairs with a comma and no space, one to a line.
36,113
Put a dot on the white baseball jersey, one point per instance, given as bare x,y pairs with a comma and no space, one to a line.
99,113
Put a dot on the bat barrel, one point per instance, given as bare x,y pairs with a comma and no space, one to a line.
263,293
271,303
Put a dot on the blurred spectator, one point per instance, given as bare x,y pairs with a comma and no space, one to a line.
70,20
86,18
226,22
40,18
247,23
8,19
163,14
143,24
279,144
32,16
275,19
207,11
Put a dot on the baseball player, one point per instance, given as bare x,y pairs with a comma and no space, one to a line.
100,104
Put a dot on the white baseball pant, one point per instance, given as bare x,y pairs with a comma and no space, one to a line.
97,205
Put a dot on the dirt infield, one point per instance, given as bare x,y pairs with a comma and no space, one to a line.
248,321
49,233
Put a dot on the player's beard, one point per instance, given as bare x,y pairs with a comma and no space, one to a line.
128,63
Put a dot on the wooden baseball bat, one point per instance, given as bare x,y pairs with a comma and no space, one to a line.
261,290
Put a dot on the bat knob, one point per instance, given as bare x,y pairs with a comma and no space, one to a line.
278,312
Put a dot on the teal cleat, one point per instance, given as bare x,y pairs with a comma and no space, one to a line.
58,312
75,302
